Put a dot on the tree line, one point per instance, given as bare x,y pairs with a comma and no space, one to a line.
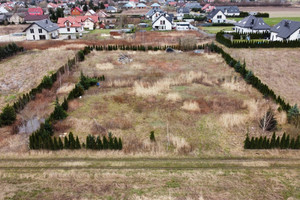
256,44
42,138
9,50
112,143
284,142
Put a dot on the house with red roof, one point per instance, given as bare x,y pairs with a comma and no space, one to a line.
76,11
89,22
35,11
70,26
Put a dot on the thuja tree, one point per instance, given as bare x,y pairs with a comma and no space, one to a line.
8,115
294,115
59,112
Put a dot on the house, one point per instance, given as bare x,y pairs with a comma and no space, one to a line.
67,11
141,6
35,11
155,5
42,30
193,5
208,8
151,12
251,24
216,16
156,15
76,11
90,13
229,10
111,9
17,18
102,14
181,12
127,6
285,30
34,18
89,22
70,26
3,19
163,23
182,26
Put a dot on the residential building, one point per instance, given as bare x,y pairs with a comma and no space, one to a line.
141,6
17,18
90,13
193,5
181,12
76,11
34,18
251,24
216,16
285,30
111,9
35,11
70,25
42,30
163,22
229,10
155,5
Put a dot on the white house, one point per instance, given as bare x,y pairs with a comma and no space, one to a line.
42,30
229,10
251,24
163,23
90,13
181,12
216,16
70,25
285,30
183,26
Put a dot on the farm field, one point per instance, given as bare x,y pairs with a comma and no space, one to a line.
26,70
115,176
194,103
275,12
278,68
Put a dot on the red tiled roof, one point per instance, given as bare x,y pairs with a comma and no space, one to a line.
83,18
75,22
77,9
35,11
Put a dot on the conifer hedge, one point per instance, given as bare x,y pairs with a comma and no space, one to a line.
284,142
256,44
9,50
250,77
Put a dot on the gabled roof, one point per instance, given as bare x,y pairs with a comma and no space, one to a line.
141,5
213,13
155,5
127,5
192,5
153,10
76,8
183,10
111,8
35,17
229,9
75,22
286,28
92,12
45,24
35,11
253,23
3,10
169,18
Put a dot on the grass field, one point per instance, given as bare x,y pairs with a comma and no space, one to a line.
278,68
272,21
89,175
216,29
25,71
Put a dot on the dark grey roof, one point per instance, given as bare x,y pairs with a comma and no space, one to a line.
230,9
183,10
153,10
192,5
285,28
169,18
2,17
213,13
45,24
253,23
111,8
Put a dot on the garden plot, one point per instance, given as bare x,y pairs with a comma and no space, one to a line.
194,103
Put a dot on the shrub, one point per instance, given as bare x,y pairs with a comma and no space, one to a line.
80,55
46,82
8,115
152,136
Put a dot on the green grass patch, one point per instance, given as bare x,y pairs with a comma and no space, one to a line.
271,21
216,29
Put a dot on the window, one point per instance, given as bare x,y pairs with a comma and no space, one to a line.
162,22
40,30
68,29
31,31
219,16
42,37
34,37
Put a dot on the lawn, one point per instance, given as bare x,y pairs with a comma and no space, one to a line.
271,21
97,34
216,29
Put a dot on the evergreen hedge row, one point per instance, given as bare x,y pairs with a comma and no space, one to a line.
284,142
263,35
250,77
42,138
9,50
106,143
256,44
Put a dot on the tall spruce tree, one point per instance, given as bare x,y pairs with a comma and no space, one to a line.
65,104
77,143
8,115
247,144
66,143
71,141
120,144
60,144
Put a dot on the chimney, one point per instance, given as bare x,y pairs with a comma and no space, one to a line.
287,23
46,21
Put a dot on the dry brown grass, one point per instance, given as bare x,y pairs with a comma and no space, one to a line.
191,106
281,73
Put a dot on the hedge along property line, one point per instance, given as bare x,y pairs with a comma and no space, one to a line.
42,138
274,143
9,50
46,83
256,44
250,77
